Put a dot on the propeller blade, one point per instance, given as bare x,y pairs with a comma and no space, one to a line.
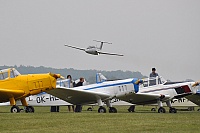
56,76
138,81
196,83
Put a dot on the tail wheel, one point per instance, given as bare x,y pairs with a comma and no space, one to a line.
29,109
15,109
102,110
161,110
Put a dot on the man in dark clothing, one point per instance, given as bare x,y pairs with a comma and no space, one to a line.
154,75
80,83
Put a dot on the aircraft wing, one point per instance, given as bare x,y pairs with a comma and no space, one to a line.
77,96
110,53
143,98
5,94
75,47
195,98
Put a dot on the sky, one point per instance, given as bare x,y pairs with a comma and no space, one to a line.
150,33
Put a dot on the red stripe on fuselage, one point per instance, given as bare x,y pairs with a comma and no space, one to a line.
186,88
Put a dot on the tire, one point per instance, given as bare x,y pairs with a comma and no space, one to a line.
89,109
153,109
102,110
29,109
15,109
161,110
172,110
112,110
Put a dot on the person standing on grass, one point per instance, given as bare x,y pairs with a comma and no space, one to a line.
71,85
80,83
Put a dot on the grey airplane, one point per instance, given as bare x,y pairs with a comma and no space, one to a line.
94,50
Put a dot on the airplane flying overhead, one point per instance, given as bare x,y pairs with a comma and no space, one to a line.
14,86
94,50
133,90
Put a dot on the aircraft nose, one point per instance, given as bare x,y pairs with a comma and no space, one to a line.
136,83
53,78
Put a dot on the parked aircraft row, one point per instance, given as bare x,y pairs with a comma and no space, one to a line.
14,86
134,91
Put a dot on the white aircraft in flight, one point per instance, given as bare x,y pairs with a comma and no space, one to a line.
94,50
133,90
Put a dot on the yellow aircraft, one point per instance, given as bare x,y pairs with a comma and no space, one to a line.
14,86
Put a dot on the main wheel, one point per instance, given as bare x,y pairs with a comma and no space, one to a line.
172,110
102,110
161,110
112,110
29,109
15,109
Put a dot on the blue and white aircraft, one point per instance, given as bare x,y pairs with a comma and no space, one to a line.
133,90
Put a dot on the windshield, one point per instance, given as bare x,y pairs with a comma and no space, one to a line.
15,72
153,81
5,73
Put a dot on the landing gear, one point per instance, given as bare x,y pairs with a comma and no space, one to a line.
161,110
15,109
172,110
101,109
29,109
112,110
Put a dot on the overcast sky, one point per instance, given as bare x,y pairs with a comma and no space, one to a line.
150,33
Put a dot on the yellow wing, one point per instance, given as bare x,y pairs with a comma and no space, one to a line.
5,94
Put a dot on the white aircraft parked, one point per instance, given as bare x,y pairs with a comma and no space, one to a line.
45,99
94,50
133,90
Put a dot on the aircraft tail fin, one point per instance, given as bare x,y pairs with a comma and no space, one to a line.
100,78
101,46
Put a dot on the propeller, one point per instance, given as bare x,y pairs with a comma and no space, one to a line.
196,83
56,76
136,83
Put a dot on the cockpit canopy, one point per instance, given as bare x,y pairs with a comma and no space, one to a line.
153,81
8,73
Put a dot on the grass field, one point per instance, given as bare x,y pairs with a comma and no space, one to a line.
143,120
